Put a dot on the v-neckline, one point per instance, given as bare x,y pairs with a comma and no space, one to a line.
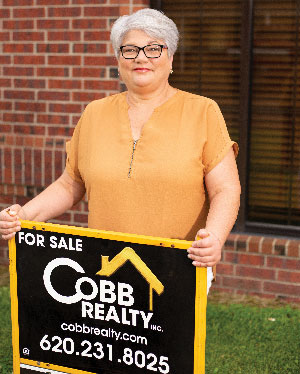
155,110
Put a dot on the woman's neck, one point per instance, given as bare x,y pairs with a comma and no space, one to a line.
154,98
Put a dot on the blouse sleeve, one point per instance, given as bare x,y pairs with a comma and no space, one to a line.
72,149
218,142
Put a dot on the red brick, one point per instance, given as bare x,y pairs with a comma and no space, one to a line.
28,35
25,95
5,128
136,8
64,60
5,82
58,162
231,257
52,24
64,83
5,60
7,166
4,13
87,96
283,263
89,72
289,276
4,105
255,272
101,11
101,85
119,2
37,172
47,167
37,130
88,2
18,71
65,108
96,35
250,259
293,248
17,2
53,48
52,95
63,35
60,131
82,218
64,12
52,2
29,83
28,12
18,117
230,243
89,48
279,247
17,48
101,60
281,288
66,217
53,72
267,245
124,10
97,23
29,60
254,244
53,119
227,269
18,166
30,106
4,36
242,283
14,25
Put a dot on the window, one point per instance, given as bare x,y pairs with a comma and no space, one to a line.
255,62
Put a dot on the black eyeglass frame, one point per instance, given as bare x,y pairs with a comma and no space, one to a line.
162,46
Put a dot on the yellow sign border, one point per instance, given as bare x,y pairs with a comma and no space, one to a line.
200,296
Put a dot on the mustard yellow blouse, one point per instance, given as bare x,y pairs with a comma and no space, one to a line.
154,186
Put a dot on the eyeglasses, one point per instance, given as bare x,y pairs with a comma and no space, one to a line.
151,51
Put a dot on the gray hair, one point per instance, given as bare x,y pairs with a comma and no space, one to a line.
152,22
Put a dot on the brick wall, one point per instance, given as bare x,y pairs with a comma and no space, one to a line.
55,57
268,267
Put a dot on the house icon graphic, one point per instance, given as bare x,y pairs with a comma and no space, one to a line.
128,254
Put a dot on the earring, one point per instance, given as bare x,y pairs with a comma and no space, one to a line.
171,71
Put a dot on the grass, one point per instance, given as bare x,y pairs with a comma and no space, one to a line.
244,336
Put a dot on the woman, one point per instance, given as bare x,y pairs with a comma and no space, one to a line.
146,157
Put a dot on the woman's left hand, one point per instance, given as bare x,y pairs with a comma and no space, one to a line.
205,251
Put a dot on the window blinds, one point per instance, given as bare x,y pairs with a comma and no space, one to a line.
274,177
208,58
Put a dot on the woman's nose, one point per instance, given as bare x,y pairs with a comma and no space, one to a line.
141,56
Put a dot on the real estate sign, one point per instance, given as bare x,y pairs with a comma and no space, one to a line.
88,301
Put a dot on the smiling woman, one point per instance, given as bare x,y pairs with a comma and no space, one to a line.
153,160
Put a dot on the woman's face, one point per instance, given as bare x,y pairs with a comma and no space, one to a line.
143,72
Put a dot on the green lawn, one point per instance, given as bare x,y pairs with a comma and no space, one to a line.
240,338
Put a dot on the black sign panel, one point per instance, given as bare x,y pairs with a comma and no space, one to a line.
86,301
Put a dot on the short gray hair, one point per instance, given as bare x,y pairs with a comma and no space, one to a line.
152,22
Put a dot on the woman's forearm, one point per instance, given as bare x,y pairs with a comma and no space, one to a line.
224,207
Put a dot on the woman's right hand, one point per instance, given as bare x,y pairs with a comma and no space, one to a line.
10,221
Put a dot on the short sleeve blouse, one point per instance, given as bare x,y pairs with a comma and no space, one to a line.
156,185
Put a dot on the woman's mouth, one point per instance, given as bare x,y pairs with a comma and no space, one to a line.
142,70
